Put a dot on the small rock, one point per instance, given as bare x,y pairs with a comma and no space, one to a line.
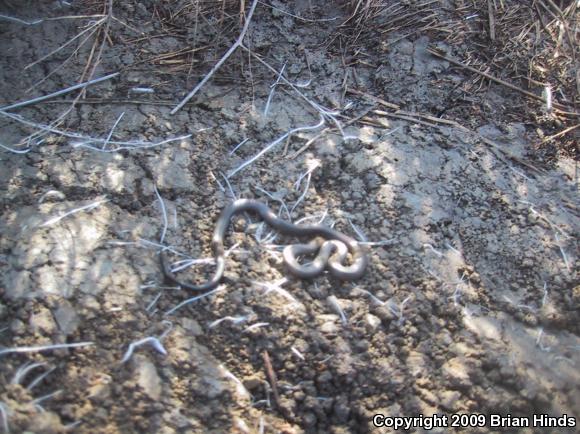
324,377
372,322
287,406
341,410
329,327
384,313
50,281
253,382
17,327
417,363
455,371
101,390
42,322
309,419
299,396
148,378
191,326
66,318
211,382
17,284
174,417
372,181
429,397
362,346
46,422
448,399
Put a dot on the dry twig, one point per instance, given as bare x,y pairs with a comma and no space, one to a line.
271,377
437,53
57,93
217,66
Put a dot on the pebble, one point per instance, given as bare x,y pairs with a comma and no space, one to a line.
66,318
341,409
45,422
191,326
253,383
448,399
329,327
17,327
100,391
373,322
17,284
325,377
455,370
42,321
148,378
309,419
384,313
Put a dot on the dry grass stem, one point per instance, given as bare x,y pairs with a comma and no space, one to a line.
273,144
58,93
4,410
92,29
271,377
42,20
88,207
217,66
155,342
42,348
437,53
163,214
194,299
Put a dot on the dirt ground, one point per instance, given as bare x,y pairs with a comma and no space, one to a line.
469,305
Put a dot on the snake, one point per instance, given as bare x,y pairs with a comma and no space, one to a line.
331,248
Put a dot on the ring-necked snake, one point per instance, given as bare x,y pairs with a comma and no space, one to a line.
332,247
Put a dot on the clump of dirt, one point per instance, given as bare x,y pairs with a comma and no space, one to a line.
469,304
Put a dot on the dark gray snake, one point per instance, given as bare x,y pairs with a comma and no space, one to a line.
332,247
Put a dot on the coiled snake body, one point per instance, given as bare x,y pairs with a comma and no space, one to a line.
332,247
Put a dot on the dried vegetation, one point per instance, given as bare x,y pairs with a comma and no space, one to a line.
530,47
